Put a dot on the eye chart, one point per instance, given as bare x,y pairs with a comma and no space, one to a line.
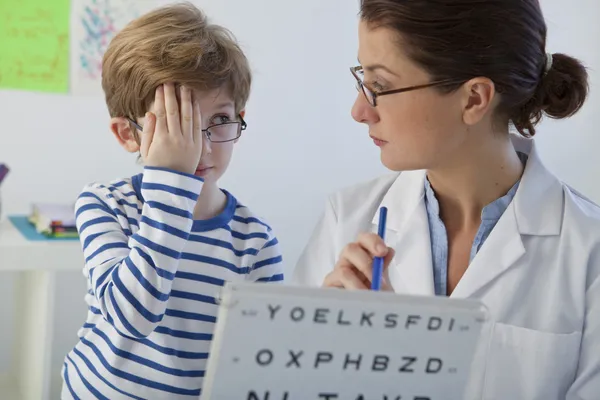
277,342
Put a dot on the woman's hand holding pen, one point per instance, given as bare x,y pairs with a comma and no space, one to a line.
354,269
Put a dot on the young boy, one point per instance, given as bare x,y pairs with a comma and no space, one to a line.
159,246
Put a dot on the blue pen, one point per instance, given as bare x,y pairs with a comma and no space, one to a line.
378,261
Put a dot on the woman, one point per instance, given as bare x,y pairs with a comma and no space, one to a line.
474,214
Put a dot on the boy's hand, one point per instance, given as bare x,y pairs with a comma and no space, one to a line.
172,136
354,269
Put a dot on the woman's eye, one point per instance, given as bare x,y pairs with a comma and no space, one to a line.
378,87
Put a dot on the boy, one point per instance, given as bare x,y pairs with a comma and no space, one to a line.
158,246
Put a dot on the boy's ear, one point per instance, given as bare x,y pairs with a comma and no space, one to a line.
121,128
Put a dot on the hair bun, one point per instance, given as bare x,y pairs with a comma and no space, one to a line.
561,93
564,87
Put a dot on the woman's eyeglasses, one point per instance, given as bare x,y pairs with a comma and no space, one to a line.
217,133
372,95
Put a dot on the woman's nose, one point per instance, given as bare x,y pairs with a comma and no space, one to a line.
363,112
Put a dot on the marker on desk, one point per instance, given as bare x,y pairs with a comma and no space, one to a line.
378,261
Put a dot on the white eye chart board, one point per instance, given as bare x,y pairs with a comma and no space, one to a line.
277,342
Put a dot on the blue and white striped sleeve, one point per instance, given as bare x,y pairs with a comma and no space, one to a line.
131,274
268,264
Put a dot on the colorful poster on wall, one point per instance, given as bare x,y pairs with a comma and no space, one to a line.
93,25
34,45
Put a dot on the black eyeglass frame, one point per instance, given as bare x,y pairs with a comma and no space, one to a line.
242,123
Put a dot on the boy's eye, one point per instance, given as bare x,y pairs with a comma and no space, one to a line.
221,119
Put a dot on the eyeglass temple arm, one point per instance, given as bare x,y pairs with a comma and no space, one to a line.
138,126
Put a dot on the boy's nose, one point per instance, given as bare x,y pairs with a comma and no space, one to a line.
206,145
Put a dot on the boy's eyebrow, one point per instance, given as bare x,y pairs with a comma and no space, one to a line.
224,104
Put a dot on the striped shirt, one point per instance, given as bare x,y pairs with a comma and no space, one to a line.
153,274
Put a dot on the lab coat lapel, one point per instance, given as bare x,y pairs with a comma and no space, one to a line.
407,233
499,252
536,210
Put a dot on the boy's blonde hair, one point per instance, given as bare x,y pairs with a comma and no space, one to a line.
175,44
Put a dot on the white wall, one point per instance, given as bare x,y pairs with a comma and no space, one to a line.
298,112
570,147
298,122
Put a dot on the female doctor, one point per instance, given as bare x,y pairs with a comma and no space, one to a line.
474,212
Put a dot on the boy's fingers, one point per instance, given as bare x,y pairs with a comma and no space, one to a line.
197,123
187,112
148,133
172,110
159,111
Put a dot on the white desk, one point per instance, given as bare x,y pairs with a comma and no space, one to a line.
37,264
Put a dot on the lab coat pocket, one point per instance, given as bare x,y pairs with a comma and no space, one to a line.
525,364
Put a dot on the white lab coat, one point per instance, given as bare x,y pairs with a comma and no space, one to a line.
538,273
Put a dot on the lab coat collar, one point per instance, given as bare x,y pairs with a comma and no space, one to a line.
538,201
535,210
407,232
402,198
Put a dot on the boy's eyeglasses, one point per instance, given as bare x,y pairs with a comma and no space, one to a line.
217,133
372,95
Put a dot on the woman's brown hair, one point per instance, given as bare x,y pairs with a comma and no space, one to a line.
503,40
